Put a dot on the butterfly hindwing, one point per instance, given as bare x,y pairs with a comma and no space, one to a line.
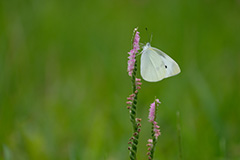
171,66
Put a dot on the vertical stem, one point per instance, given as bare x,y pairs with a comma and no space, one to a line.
179,135
154,142
133,150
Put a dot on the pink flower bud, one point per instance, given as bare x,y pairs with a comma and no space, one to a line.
138,79
149,145
132,95
139,83
135,133
129,102
130,98
138,119
150,141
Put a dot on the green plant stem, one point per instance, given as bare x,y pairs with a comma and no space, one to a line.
133,150
154,142
179,135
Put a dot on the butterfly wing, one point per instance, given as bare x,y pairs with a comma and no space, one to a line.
152,65
170,65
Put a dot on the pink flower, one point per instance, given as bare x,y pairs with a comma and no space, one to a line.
156,130
157,133
149,145
138,87
150,141
152,110
151,115
129,102
139,83
157,100
132,95
138,79
130,98
132,53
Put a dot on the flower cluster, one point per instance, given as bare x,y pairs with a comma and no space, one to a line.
131,140
152,117
132,53
130,100
131,96
138,84
152,110
156,129
150,146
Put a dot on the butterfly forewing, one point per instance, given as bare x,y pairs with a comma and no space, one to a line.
152,65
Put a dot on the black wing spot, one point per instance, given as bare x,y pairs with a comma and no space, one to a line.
165,66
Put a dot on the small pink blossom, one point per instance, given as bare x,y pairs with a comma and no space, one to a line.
130,98
138,79
157,133
156,130
150,141
132,95
149,145
138,119
139,83
157,100
129,102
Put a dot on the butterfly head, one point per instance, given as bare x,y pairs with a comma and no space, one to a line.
146,46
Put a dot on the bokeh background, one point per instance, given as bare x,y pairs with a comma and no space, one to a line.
63,79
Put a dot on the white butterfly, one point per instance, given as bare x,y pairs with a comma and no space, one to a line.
156,65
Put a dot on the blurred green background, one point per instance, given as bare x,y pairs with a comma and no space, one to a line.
63,79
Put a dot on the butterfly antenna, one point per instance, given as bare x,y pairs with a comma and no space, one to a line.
147,33
151,38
